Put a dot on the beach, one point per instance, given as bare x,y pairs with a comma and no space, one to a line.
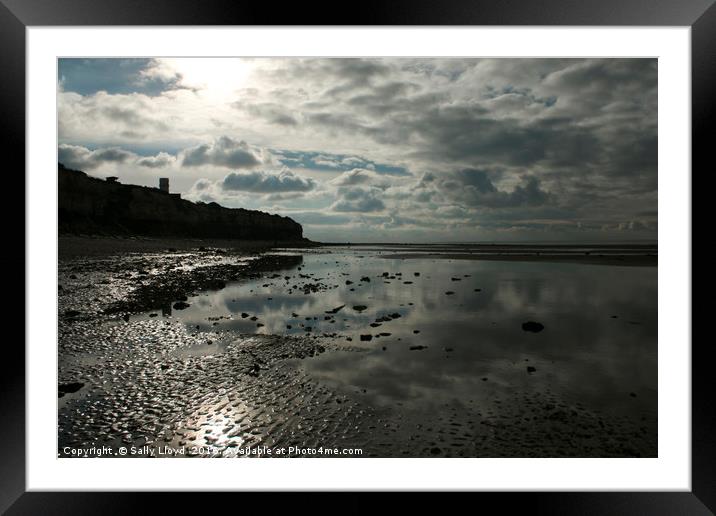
179,348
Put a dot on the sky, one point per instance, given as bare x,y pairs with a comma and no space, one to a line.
381,149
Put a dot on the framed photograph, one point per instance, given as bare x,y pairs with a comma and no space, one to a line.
419,249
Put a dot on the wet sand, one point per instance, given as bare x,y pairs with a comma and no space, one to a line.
157,384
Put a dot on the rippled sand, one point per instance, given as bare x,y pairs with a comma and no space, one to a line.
157,382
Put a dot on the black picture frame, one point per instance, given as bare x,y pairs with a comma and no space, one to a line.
17,15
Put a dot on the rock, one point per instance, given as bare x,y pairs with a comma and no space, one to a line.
455,279
254,318
395,315
416,274
478,290
435,451
449,293
532,326
374,325
531,369
180,305
71,313
359,308
416,331
365,279
335,310
244,315
66,388
385,334
417,348
366,338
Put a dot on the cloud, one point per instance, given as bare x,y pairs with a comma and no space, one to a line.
475,188
105,117
319,218
260,181
357,176
470,147
161,160
81,158
272,112
362,176
362,200
225,152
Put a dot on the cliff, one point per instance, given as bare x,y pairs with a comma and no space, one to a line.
92,206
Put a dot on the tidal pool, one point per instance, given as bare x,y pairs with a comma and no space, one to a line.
434,332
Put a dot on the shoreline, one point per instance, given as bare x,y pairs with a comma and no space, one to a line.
624,260
78,246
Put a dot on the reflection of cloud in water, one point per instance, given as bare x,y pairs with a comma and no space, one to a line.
583,354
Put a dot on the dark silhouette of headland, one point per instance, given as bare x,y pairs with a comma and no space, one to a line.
91,206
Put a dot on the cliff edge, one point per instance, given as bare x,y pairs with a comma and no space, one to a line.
91,206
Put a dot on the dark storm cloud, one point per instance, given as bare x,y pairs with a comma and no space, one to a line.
267,182
574,116
224,152
467,133
116,75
